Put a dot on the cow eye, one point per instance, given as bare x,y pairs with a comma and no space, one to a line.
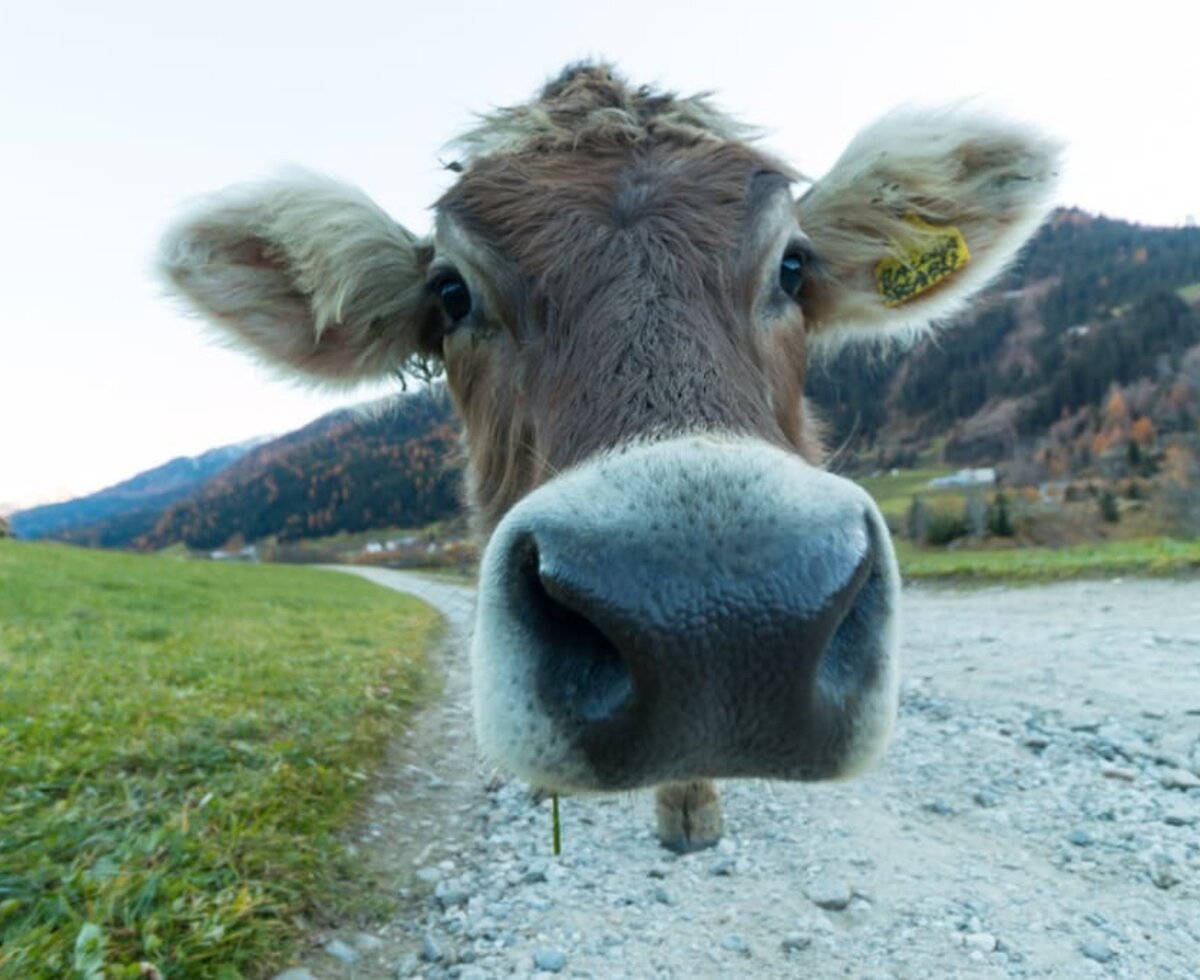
791,274
453,295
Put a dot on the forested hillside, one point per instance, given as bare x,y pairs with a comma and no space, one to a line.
355,470
1092,303
348,471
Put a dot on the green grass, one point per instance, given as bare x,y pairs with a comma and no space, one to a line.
1190,294
893,493
181,744
1145,556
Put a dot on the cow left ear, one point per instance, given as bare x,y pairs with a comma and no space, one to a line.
921,211
308,275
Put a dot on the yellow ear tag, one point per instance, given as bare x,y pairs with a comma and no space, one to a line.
942,251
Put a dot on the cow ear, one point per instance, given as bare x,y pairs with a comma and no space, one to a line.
921,211
307,274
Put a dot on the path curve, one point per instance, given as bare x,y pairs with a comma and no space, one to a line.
1038,815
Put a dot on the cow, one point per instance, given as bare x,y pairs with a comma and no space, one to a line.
624,291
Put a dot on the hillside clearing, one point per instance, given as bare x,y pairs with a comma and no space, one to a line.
1190,294
180,745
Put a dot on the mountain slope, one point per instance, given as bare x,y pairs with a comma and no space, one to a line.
348,471
138,499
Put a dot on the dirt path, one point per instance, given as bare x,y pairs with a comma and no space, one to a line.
1038,815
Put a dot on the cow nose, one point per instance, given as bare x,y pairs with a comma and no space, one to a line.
693,608
675,653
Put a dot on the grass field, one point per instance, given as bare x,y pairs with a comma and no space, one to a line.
180,745
1139,556
893,492
965,562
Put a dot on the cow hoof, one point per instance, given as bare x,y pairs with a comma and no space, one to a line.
689,816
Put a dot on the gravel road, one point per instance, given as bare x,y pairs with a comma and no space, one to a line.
1037,815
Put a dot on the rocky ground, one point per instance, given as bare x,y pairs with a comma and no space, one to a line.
1038,815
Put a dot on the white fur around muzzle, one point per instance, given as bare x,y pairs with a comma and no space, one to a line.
723,489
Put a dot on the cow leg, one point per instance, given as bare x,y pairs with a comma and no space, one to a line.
689,815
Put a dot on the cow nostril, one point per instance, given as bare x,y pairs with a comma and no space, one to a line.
847,663
581,676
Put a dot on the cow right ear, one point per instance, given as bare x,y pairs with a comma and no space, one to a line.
307,274
923,210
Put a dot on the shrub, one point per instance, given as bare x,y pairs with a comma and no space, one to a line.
1136,490
944,526
917,521
975,513
934,525
999,520
1108,506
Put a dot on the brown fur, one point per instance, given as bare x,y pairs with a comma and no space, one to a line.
625,293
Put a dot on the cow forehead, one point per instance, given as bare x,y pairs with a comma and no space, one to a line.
593,160
526,204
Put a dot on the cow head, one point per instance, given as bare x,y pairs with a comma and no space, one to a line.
625,293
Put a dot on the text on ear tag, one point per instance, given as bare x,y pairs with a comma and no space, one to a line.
940,253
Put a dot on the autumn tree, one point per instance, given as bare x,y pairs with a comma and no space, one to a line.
1142,431
1182,491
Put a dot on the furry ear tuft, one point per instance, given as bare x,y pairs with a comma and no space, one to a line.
307,273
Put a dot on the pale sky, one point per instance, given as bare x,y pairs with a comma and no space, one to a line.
113,114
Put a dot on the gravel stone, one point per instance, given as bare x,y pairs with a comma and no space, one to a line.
295,973
1180,779
550,960
366,943
1163,871
735,944
830,893
983,941
987,798
431,952
795,942
536,873
341,951
1097,949
448,897
431,876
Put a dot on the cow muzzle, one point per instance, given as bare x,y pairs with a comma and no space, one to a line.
686,609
